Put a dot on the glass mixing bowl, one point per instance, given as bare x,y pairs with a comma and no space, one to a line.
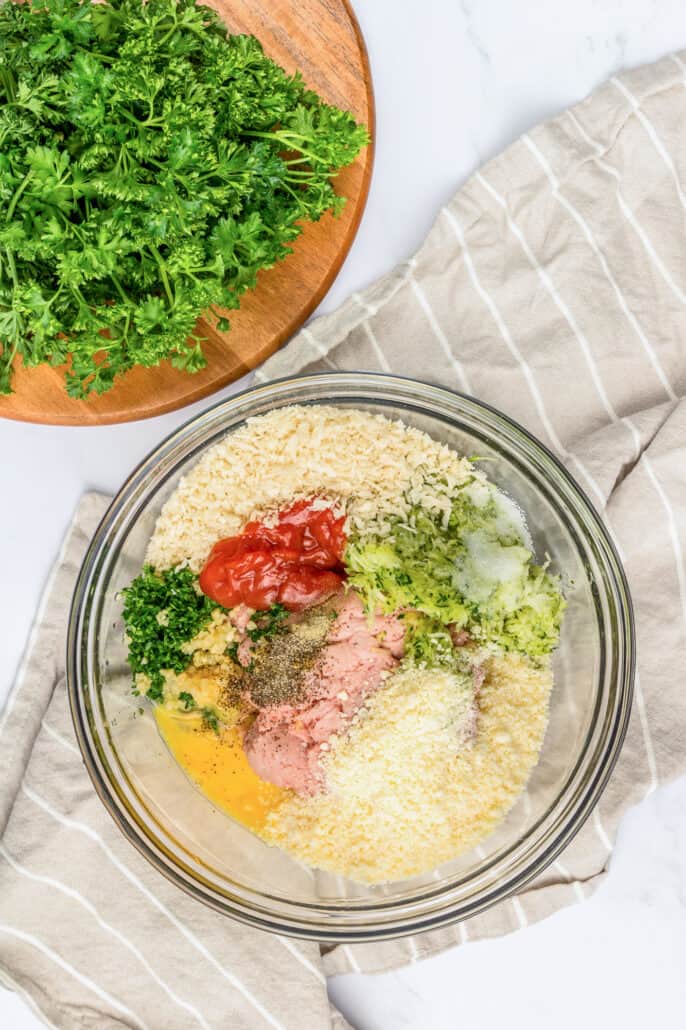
218,861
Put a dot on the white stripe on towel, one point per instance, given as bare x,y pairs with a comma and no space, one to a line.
70,892
673,532
302,959
88,831
557,299
12,985
40,611
640,700
581,222
504,331
654,138
60,739
647,740
347,951
602,836
521,914
518,356
371,336
423,300
628,213
84,980
317,345
574,884
600,829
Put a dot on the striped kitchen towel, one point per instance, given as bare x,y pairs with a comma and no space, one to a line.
553,286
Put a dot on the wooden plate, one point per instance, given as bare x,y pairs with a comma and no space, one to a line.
323,40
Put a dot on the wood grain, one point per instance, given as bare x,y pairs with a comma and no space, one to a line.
323,40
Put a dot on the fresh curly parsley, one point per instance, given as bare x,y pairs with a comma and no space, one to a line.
150,165
162,610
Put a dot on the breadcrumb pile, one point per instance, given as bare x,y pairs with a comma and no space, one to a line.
373,465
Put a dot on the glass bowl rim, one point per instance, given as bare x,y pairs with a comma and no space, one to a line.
411,922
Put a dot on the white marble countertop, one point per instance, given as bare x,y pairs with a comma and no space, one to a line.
456,81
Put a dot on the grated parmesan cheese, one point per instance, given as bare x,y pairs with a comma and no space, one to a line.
411,785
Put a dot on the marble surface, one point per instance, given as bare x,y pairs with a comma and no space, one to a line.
456,81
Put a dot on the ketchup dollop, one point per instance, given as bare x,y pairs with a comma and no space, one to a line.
296,562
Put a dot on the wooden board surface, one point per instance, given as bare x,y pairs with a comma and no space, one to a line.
322,39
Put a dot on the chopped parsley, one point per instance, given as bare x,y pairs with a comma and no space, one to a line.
268,623
210,719
156,689
162,611
187,700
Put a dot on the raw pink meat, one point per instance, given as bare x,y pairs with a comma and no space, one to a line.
459,637
240,616
285,743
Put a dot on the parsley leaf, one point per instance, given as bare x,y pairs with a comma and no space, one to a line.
162,610
150,165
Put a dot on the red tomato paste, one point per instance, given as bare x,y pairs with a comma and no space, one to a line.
296,562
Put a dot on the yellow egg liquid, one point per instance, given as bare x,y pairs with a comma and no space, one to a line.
217,764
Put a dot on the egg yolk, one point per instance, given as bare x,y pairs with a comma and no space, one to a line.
217,764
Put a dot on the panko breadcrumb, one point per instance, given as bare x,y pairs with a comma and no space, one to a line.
375,466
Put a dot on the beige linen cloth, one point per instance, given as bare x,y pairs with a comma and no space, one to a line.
552,286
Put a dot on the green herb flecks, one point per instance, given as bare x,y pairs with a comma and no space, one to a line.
210,719
468,569
150,165
188,701
162,611
428,643
268,623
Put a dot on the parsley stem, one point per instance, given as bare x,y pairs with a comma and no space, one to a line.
11,266
9,83
9,359
296,196
163,274
287,138
17,194
141,125
169,34
119,288
96,53
55,296
71,226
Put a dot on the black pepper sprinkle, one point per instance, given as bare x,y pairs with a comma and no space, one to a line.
279,666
